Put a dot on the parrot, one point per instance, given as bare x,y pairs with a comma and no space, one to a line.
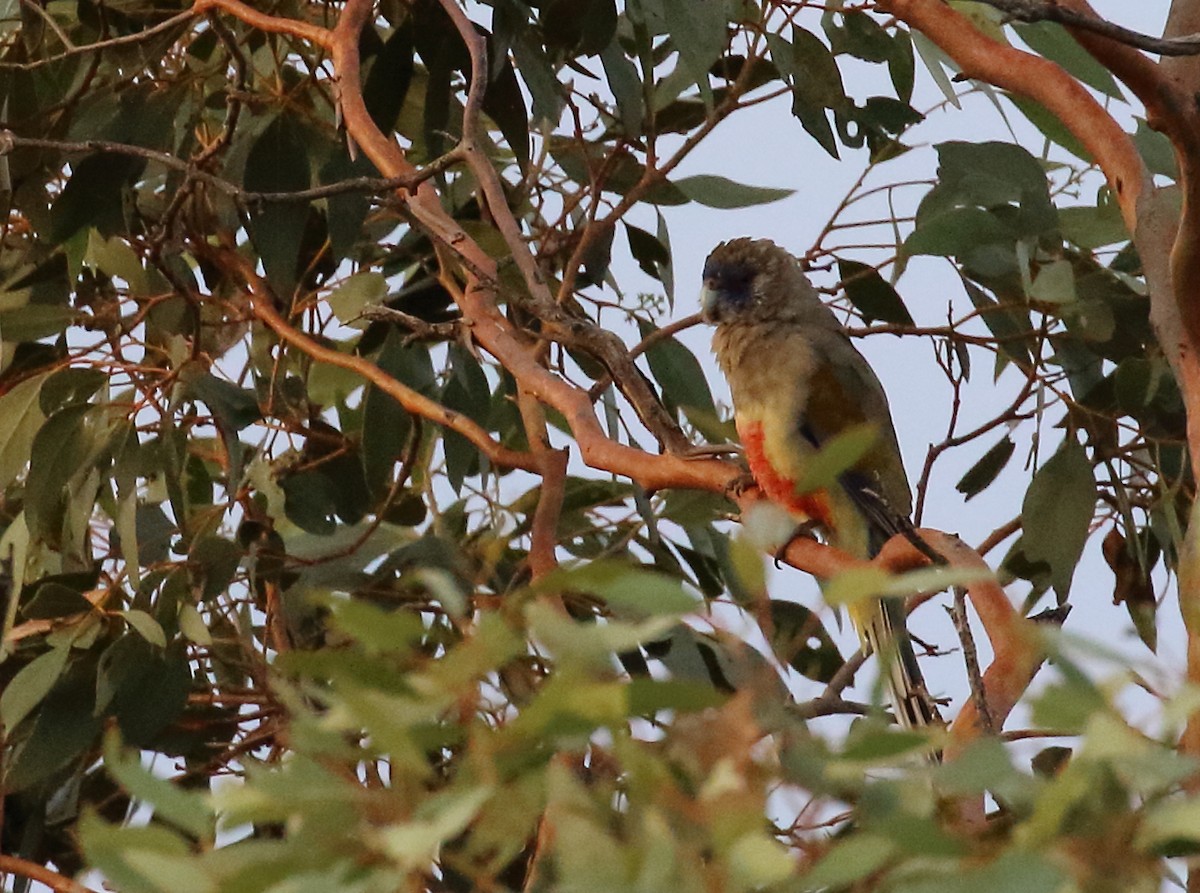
797,381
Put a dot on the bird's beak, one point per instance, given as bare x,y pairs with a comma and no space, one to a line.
710,300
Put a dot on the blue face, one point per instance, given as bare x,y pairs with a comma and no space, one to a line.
728,289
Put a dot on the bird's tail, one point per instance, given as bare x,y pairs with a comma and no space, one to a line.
881,625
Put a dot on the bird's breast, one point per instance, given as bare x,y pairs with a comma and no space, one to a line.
777,473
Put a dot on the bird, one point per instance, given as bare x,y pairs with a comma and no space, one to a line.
797,381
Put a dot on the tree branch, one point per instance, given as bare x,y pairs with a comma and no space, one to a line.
52,879
1043,11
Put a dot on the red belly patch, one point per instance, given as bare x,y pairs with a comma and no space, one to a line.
779,488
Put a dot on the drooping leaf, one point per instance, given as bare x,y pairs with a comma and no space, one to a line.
94,196
31,683
873,295
980,475
389,76
20,420
1057,513
683,383
278,162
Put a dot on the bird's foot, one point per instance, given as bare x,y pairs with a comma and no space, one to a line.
740,485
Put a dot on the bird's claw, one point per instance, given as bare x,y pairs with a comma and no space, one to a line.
740,485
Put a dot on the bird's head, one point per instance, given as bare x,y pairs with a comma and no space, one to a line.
754,280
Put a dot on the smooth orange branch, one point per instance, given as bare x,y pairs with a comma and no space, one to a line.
263,22
543,535
1038,79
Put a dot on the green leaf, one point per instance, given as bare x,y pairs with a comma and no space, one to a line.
387,425
212,563
115,258
1093,227
1055,43
811,67
840,453
65,726
1057,512
94,196
579,26
980,475
956,232
1156,150
1171,827
126,857
720,192
626,88
20,420
52,600
1009,323
34,321
800,639
698,30
31,684
467,392
186,810
147,627
849,860
64,388
858,35
683,382
1050,126
633,590
278,162
192,625
1015,869
363,288
936,63
144,685
1054,284
311,501
874,296
61,451
389,76
648,696
651,255
902,65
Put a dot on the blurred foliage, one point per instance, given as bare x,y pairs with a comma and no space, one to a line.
266,630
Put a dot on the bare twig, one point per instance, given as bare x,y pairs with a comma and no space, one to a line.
958,614
419,329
